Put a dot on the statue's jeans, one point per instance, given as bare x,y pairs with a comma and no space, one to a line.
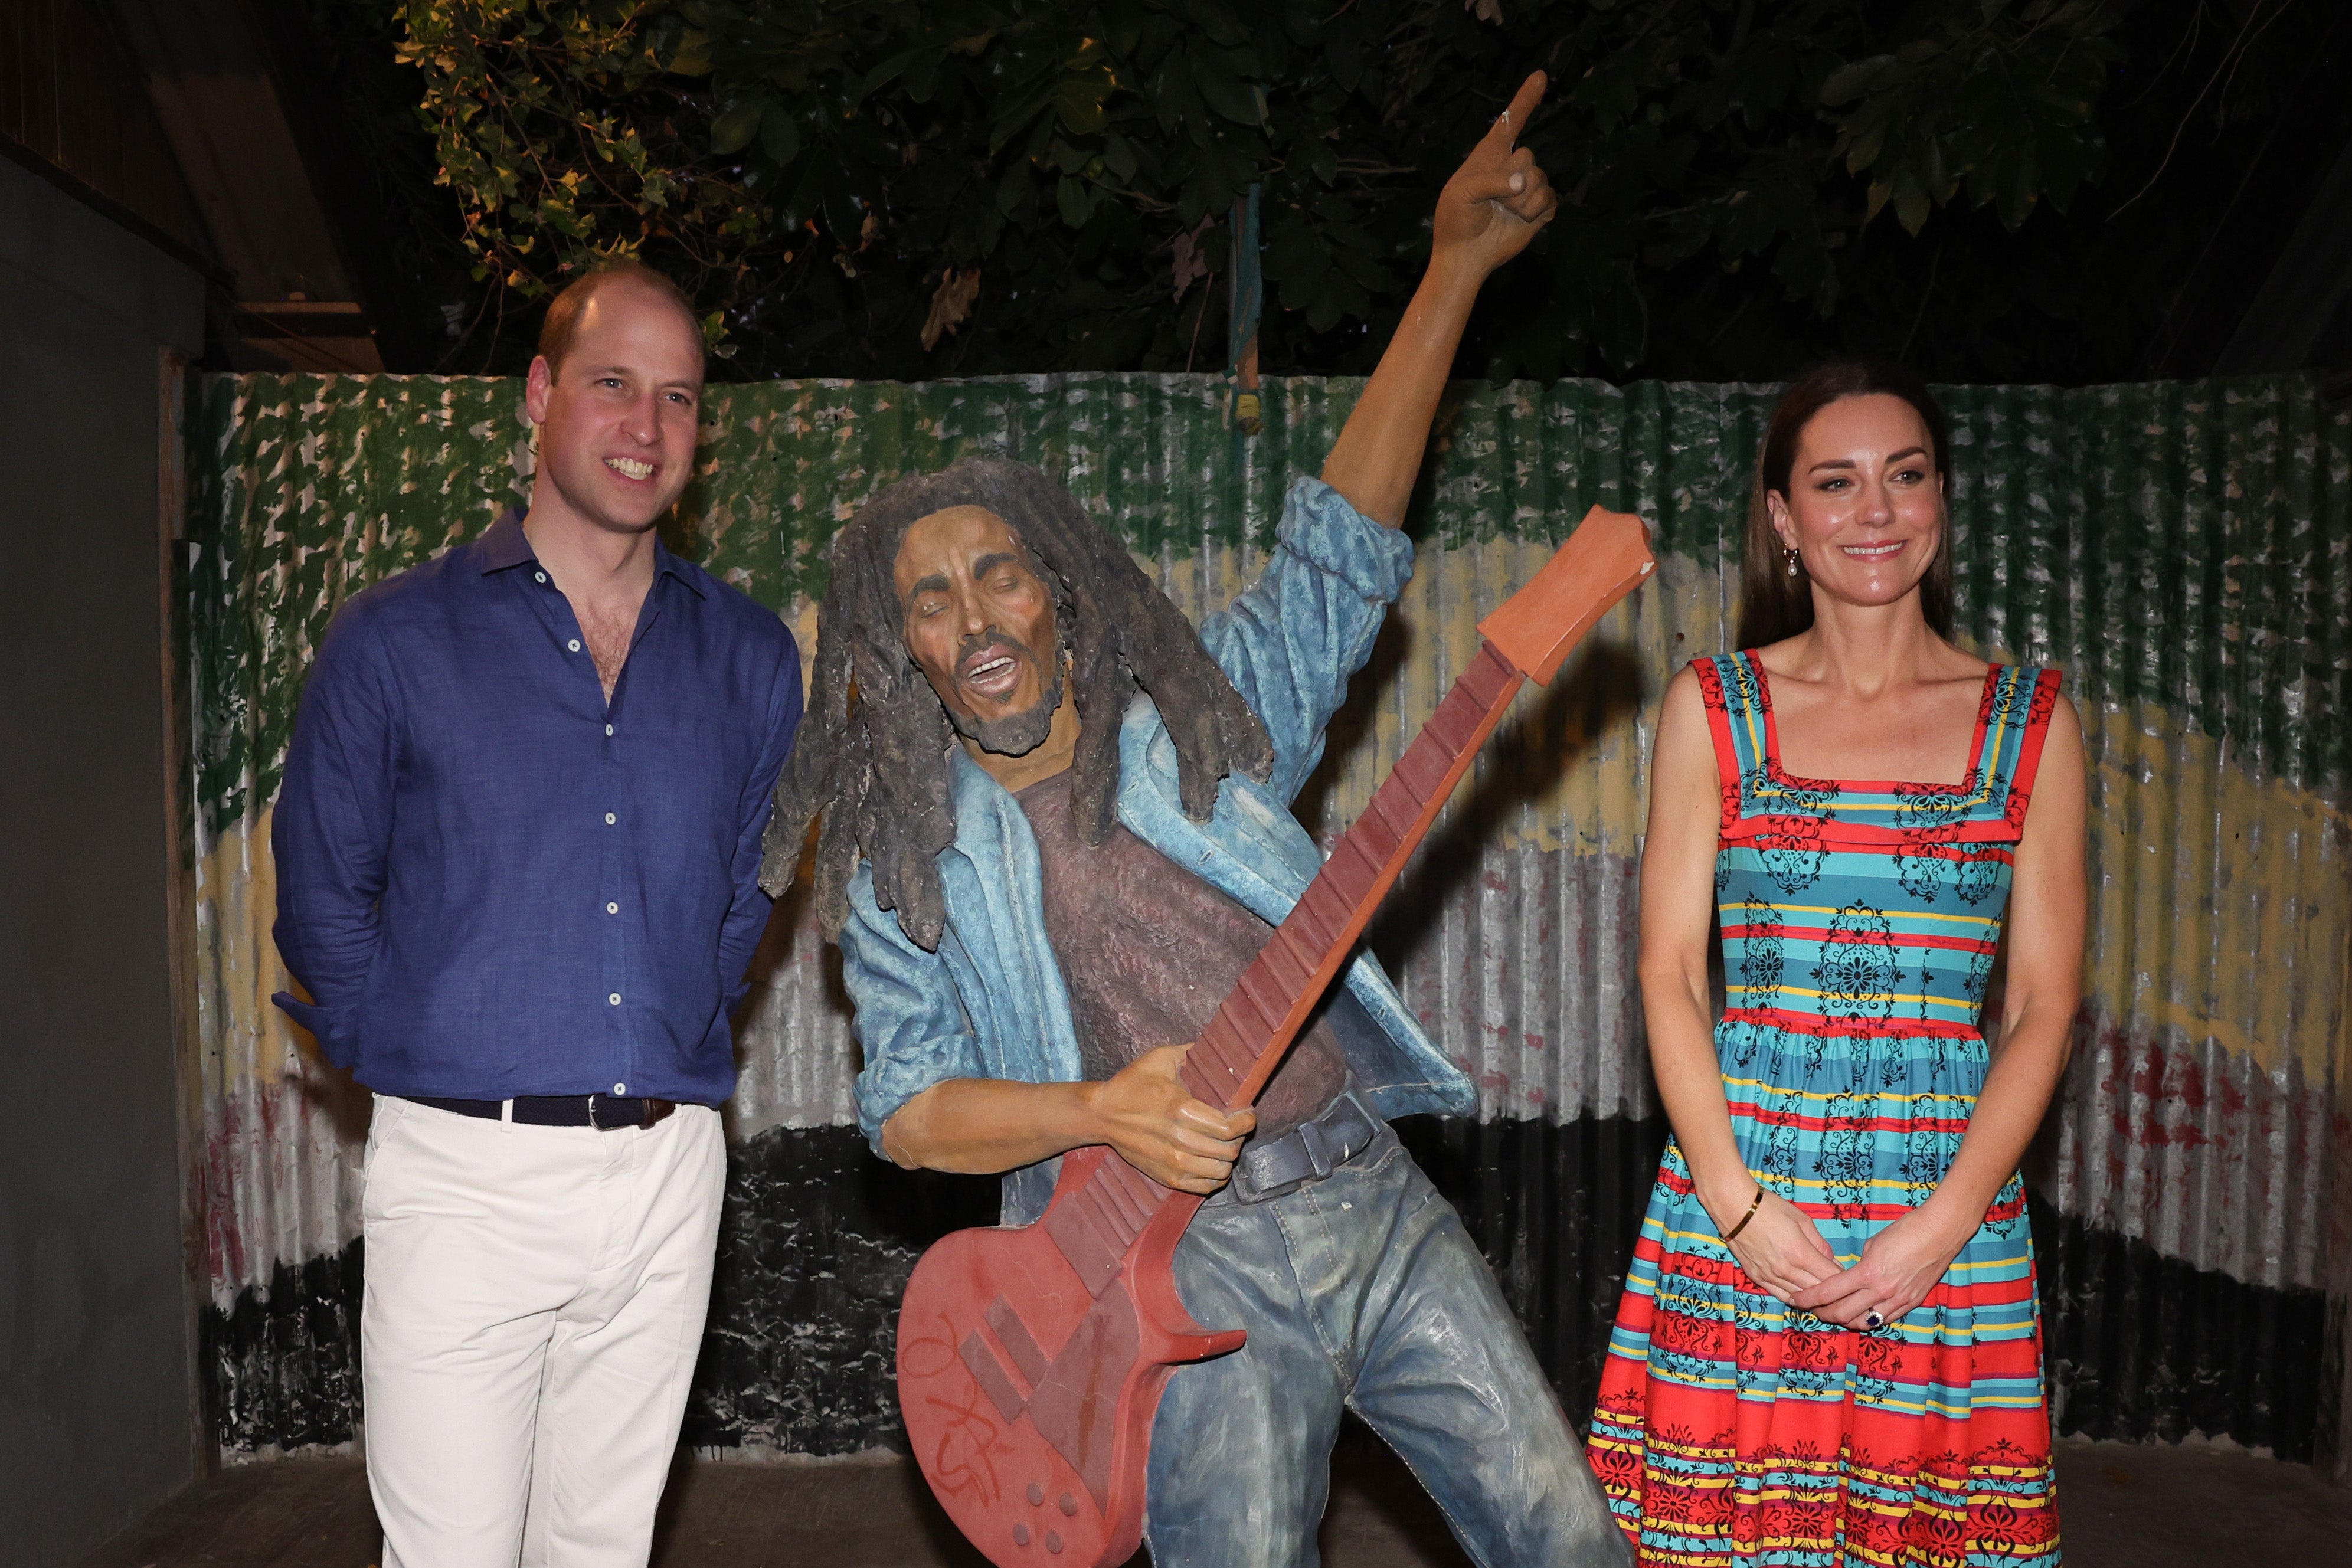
1361,1291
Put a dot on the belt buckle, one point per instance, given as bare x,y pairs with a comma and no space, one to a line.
1245,1191
649,1110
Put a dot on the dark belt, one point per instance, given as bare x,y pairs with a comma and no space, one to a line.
604,1112
1308,1152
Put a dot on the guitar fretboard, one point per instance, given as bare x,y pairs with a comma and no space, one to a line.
1262,1015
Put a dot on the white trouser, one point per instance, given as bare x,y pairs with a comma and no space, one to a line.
535,1300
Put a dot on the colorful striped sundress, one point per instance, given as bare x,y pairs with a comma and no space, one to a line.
1859,921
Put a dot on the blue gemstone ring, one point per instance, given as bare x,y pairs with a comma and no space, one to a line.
1874,1321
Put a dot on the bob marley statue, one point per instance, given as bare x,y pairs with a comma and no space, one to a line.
1053,830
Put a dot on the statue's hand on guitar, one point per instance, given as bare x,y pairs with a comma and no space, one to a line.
1158,1127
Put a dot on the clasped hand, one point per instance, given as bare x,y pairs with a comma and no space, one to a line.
1782,1250
1162,1129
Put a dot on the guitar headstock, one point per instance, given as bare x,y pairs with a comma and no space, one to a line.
1603,560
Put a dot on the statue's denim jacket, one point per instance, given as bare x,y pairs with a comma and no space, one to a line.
990,1002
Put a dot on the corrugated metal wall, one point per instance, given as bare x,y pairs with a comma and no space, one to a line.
2180,551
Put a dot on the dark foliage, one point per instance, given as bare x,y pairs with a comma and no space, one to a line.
1996,189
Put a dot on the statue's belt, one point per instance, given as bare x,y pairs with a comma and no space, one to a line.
1308,1153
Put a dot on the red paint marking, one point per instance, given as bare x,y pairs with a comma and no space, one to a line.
1844,939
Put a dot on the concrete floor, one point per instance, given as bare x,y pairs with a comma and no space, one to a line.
2124,1506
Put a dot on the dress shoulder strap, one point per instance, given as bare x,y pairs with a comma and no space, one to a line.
2014,722
1736,708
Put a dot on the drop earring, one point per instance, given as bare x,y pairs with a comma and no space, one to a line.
1791,557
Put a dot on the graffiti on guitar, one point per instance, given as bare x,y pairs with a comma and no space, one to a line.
1032,1358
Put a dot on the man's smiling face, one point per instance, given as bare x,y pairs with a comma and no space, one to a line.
979,619
618,418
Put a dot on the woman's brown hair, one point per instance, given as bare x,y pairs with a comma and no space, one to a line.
1774,605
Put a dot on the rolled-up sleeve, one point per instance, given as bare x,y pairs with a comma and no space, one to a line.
910,1024
1291,643
331,829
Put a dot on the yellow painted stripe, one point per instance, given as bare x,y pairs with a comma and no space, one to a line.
1761,1087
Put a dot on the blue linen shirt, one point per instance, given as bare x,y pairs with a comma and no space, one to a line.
493,884
992,1002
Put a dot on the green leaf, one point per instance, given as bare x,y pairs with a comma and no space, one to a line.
1911,204
733,129
1080,103
779,136
1343,51
1075,205
922,77
2019,190
1322,160
692,55
1228,94
1222,26
1865,151
1119,157
881,75
1017,191
1850,80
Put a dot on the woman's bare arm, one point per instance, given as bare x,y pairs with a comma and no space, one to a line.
1779,1245
2048,900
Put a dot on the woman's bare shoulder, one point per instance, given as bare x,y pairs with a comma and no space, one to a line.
1684,704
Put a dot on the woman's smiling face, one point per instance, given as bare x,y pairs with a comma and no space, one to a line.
1864,506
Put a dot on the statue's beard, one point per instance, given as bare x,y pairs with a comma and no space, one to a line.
1018,734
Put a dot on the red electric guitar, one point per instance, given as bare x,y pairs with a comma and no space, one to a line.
1031,1359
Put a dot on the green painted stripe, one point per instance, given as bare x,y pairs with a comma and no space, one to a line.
2179,543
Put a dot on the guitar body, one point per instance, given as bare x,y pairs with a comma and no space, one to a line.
1028,1394
1032,1359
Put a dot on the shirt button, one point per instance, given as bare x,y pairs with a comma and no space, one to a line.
615,1000
620,1089
573,645
612,909
610,819
540,575
608,729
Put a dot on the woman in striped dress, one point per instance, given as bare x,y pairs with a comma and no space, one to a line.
1829,1350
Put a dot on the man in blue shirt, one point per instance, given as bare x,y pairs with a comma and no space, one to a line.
1055,831
517,853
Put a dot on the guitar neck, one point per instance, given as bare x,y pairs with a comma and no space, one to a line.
1266,1010
1526,638
1262,1015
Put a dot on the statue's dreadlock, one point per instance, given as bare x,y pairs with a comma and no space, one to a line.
872,752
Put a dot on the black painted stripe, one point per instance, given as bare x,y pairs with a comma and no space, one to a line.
818,1238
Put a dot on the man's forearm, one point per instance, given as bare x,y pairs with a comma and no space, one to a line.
1378,455
982,1126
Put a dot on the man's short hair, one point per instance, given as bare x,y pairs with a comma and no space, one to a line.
562,320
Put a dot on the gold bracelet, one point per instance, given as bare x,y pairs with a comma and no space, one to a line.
1754,1204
